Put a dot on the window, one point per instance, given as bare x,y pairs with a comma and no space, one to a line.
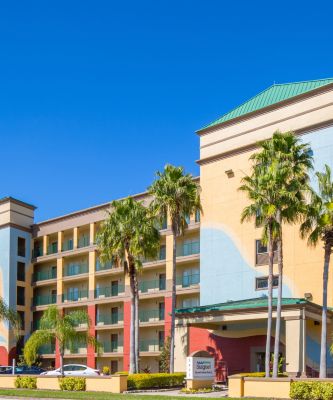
161,336
22,318
161,281
114,366
21,271
21,247
197,216
161,311
191,302
262,283
262,253
20,296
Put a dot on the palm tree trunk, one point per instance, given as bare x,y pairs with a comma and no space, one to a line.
137,349
323,343
278,309
62,352
270,302
173,304
132,326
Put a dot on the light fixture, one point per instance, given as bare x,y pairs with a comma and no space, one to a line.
230,173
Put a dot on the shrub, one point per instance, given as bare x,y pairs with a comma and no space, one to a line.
106,370
26,382
311,390
74,384
148,381
259,374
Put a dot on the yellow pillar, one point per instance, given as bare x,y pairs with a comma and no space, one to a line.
295,345
92,233
92,280
45,244
60,267
75,237
60,236
168,261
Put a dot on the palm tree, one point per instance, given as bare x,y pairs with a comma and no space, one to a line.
10,316
129,235
318,226
175,194
260,189
286,154
54,326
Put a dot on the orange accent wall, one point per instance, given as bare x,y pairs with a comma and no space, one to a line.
167,316
127,323
91,361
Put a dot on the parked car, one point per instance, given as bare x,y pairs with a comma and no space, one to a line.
5,369
21,370
74,370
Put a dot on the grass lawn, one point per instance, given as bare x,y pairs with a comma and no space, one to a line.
49,394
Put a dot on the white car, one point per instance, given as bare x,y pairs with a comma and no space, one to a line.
74,370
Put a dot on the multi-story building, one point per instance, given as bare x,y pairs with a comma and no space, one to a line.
221,282
56,262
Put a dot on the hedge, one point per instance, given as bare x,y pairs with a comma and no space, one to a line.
26,382
149,381
311,390
74,384
259,375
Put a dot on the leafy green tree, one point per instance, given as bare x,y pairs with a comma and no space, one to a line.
128,236
287,160
177,195
165,356
10,316
54,326
318,227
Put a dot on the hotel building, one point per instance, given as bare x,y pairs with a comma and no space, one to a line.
221,263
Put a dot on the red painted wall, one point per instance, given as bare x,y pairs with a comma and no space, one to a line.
5,358
236,352
91,361
127,323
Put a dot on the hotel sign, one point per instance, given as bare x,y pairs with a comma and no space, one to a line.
200,368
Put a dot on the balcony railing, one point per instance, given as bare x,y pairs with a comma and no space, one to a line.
67,245
37,252
188,280
109,319
45,275
52,248
76,269
161,256
44,300
153,285
150,345
75,295
151,315
83,241
47,349
188,249
109,291
111,347
103,267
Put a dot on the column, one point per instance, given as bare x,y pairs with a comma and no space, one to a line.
45,244
92,264
296,345
181,346
126,333
75,237
91,361
168,296
92,233
60,267
60,238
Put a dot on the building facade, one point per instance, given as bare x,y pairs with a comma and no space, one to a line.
221,264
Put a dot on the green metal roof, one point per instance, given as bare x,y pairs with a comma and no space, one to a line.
241,304
272,95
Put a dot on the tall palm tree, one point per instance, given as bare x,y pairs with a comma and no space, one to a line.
10,316
289,161
175,194
129,235
54,326
318,226
260,190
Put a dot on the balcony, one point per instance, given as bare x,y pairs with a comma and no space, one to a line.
67,245
188,280
75,295
109,319
83,241
47,349
151,315
154,285
109,291
45,275
103,267
76,269
150,345
44,300
161,256
37,252
188,249
111,347
52,248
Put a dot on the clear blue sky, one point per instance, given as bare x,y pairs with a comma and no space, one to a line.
95,96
